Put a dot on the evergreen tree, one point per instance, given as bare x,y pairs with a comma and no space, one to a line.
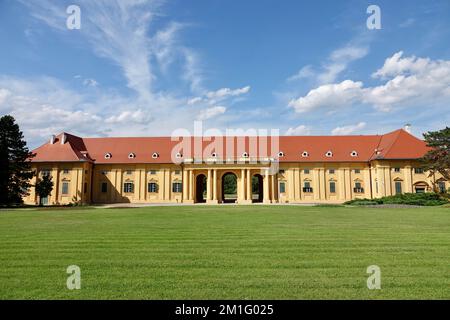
438,158
44,187
15,169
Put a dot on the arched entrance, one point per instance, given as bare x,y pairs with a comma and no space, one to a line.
229,188
200,188
257,188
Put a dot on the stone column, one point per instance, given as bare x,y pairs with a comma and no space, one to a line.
185,185
214,185
273,190
241,195
266,192
249,186
208,185
191,185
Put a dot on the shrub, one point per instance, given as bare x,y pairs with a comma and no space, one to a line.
416,199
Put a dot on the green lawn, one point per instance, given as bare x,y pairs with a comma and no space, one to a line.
225,252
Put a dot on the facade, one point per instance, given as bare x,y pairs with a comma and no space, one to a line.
309,169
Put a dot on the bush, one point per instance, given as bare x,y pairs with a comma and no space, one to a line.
416,199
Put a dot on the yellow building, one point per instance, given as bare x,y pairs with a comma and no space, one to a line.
309,169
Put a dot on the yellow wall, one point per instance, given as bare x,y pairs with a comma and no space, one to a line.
377,179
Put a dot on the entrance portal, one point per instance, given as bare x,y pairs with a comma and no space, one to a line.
229,188
257,188
200,188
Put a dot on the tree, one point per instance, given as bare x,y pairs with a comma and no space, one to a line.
44,187
438,158
15,166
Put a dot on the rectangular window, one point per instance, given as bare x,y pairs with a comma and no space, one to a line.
152,171
177,187
104,187
129,172
442,188
420,190
307,187
65,188
177,171
332,187
357,170
398,187
418,170
281,171
358,188
66,171
152,187
396,169
306,171
332,171
282,187
128,187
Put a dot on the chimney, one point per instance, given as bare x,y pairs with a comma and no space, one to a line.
63,138
52,139
407,128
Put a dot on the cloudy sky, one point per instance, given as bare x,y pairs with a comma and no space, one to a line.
148,67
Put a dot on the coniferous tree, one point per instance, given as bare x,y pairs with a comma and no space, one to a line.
15,169
438,158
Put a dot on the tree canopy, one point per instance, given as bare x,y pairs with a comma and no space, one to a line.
15,167
438,158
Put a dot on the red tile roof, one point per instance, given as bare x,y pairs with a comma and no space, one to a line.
395,145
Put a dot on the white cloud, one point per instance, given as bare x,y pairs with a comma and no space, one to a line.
410,81
227,92
305,72
124,117
211,113
4,94
332,96
346,130
337,62
301,130
90,83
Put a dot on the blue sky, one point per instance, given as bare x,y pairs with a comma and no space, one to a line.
140,68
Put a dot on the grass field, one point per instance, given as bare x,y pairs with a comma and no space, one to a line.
225,252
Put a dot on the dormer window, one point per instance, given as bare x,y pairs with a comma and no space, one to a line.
329,154
280,154
245,155
108,156
305,154
214,155
354,154
131,156
155,155
178,155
